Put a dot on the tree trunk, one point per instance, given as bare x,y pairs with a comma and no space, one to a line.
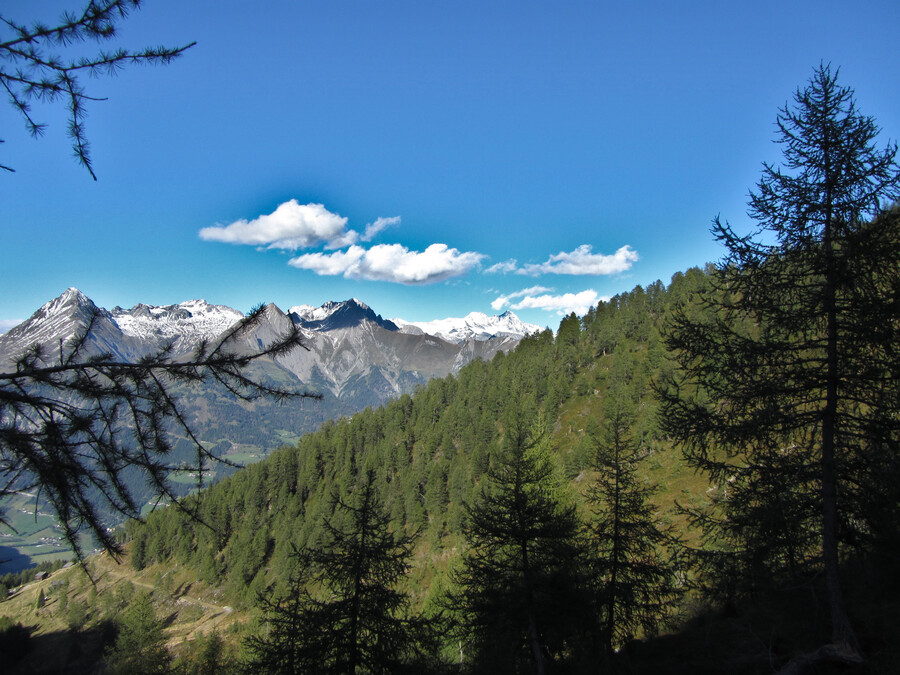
537,653
842,634
614,557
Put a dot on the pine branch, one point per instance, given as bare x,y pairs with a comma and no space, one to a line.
39,70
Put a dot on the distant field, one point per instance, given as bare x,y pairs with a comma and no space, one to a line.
287,437
32,535
189,477
245,454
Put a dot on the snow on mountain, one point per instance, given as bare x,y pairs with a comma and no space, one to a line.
333,315
184,324
474,326
57,321
351,351
310,313
352,357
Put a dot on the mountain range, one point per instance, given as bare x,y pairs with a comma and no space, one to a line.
354,357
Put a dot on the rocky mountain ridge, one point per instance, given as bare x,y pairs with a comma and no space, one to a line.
353,354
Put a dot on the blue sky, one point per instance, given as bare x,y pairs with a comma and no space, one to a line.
428,158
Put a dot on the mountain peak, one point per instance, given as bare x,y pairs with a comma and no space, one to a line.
71,297
337,314
72,293
358,303
475,325
70,304
184,324
57,321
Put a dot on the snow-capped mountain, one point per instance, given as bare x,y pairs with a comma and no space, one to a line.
55,324
352,351
184,324
333,315
473,326
353,356
128,334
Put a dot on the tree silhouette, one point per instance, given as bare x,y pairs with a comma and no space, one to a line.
634,566
71,424
520,597
343,612
791,379
44,64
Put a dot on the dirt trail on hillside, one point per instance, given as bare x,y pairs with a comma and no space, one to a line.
214,617
183,598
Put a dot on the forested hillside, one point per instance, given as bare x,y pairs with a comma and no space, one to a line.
430,454
429,451
559,446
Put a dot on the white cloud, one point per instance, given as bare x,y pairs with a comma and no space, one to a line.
392,262
380,223
8,324
563,304
500,303
504,300
504,267
581,261
329,264
289,227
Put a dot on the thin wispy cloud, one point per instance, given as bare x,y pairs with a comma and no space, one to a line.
580,262
505,267
392,262
504,300
380,224
289,227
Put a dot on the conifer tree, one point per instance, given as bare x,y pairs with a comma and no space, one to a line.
41,62
634,565
791,379
519,599
287,641
343,613
140,646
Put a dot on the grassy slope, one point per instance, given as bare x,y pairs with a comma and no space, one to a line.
188,607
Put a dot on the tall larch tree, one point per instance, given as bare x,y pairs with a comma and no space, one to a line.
343,612
790,381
